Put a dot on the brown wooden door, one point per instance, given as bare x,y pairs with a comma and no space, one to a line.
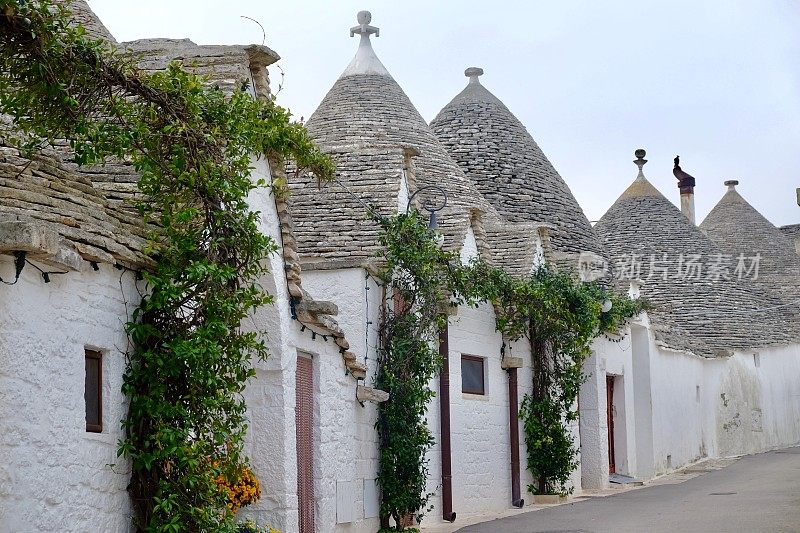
610,414
304,424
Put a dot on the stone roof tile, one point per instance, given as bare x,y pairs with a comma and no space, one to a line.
739,229
514,246
52,191
792,230
83,15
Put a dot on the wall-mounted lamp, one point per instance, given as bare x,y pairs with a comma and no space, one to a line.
430,204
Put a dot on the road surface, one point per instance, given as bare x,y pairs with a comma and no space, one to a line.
757,493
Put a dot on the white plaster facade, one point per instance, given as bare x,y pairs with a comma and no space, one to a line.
345,446
479,425
54,475
672,408
348,449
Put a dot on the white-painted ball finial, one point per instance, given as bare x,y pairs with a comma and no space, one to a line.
364,17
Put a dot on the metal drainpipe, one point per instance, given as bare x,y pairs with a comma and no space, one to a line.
444,419
513,427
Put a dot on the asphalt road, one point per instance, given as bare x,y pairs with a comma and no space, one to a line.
758,493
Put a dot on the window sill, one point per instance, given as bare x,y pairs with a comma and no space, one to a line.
479,397
104,437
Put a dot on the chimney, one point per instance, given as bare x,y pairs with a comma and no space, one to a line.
687,203
686,186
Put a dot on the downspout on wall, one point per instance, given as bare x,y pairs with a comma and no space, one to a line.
444,421
511,364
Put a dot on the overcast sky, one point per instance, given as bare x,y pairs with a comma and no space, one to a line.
717,82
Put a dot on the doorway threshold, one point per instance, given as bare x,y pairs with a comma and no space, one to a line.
621,479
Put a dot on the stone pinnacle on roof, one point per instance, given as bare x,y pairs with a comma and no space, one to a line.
365,60
731,184
640,161
473,73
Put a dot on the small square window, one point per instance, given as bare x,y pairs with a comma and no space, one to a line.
472,375
93,391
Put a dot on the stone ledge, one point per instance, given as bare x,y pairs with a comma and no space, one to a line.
19,236
40,243
358,370
368,394
317,307
511,362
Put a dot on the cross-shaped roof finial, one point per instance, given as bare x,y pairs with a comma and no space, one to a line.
365,60
363,28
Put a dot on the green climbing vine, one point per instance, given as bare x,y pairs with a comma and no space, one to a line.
558,315
193,147
417,276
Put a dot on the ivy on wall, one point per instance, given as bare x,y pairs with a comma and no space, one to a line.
558,315
417,275
193,147
190,360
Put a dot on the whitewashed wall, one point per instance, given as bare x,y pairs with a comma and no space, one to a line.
614,358
270,396
345,457
756,398
348,448
480,441
54,476
678,408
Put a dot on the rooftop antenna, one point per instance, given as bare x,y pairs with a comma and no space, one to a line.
263,32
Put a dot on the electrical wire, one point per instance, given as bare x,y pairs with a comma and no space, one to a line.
19,264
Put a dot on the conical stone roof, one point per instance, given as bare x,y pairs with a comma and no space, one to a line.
700,304
82,14
498,154
373,132
738,228
792,231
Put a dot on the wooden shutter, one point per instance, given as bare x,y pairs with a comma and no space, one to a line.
304,424
93,391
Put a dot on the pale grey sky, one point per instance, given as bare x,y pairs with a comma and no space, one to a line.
716,81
